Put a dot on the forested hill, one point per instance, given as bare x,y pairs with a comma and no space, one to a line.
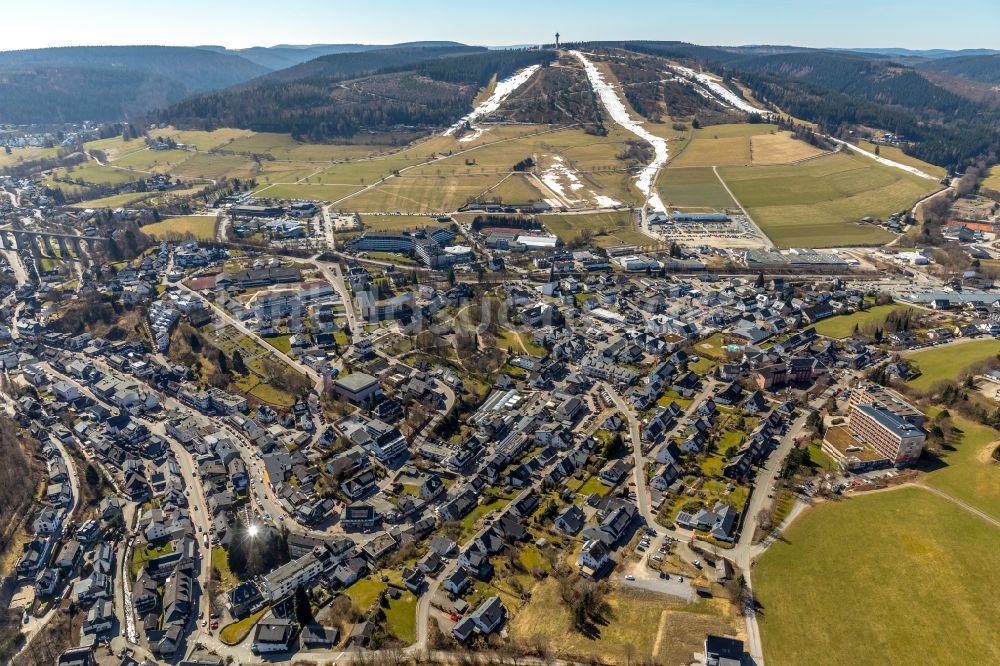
346,94
838,90
109,83
982,68
342,66
863,77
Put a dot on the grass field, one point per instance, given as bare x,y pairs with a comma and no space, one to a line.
201,140
992,180
202,227
397,222
970,472
720,145
695,187
515,188
311,192
948,361
401,618
926,570
115,146
25,155
364,592
284,147
446,184
780,148
423,193
471,522
214,167
159,161
843,326
115,201
819,203
98,175
640,627
615,226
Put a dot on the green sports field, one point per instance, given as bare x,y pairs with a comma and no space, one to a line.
947,361
819,203
901,577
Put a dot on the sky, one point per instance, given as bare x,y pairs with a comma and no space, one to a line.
916,24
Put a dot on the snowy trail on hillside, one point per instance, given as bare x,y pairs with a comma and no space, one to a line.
887,162
619,113
500,93
719,92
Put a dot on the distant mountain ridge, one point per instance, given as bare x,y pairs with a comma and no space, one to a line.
109,83
926,53
114,83
282,56
982,68
338,66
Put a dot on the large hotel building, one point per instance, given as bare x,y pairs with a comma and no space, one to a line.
882,429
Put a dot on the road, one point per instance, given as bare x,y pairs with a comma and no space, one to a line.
745,552
336,278
639,464
34,625
198,508
14,259
316,376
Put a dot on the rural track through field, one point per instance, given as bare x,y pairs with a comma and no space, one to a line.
767,239
962,504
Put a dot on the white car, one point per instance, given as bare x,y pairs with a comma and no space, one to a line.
630,577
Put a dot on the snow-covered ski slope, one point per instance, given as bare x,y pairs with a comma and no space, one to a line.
718,91
503,90
619,113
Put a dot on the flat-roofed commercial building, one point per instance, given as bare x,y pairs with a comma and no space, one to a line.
357,387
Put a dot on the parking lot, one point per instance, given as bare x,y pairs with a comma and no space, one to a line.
642,575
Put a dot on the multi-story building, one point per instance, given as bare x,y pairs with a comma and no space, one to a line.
893,437
879,396
302,571
426,244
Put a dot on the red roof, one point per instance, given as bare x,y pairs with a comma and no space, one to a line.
203,283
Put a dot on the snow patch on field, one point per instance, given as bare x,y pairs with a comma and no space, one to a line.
500,93
619,113
562,181
565,183
719,91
